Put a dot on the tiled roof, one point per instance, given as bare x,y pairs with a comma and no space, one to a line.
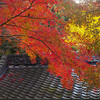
22,80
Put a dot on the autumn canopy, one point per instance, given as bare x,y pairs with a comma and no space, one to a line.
50,29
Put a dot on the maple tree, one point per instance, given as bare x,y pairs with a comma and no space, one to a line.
83,28
83,24
40,31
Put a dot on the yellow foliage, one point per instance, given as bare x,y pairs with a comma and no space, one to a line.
88,35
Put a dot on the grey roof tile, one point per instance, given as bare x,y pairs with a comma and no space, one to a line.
33,82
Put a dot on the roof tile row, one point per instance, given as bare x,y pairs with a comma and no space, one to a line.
27,81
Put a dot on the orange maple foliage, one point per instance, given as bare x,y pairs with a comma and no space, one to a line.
37,26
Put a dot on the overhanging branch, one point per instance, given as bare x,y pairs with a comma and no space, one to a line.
45,45
37,32
28,45
18,14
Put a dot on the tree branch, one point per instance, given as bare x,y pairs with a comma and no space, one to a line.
18,14
9,35
28,45
46,46
92,11
32,17
21,12
37,32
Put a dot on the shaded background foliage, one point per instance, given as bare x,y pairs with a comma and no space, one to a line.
8,44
